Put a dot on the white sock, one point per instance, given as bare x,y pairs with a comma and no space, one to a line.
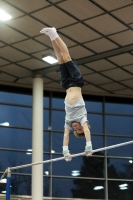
65,148
88,143
51,32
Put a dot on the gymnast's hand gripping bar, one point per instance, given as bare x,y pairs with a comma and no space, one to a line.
74,155
62,158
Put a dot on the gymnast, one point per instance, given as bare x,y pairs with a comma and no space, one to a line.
72,81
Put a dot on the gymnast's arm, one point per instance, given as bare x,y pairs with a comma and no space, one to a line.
86,132
88,147
66,152
66,137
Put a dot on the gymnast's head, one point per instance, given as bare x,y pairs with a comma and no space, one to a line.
78,129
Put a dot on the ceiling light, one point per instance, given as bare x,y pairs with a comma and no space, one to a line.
46,172
130,161
3,192
123,188
123,185
49,128
49,59
4,16
52,151
5,124
29,151
98,188
75,173
3,180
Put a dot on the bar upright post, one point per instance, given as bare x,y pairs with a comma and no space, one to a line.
8,184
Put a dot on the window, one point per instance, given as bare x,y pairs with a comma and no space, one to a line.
58,103
119,125
120,190
124,151
83,177
58,120
15,138
96,123
93,106
24,99
119,168
13,159
16,116
46,118
78,188
81,166
119,106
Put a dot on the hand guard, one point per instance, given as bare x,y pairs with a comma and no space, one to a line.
88,150
67,155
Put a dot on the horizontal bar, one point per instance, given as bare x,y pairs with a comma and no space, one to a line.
74,155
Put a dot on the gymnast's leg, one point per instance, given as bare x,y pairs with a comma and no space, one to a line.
62,51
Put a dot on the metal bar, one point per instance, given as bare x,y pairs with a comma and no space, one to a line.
8,184
74,155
